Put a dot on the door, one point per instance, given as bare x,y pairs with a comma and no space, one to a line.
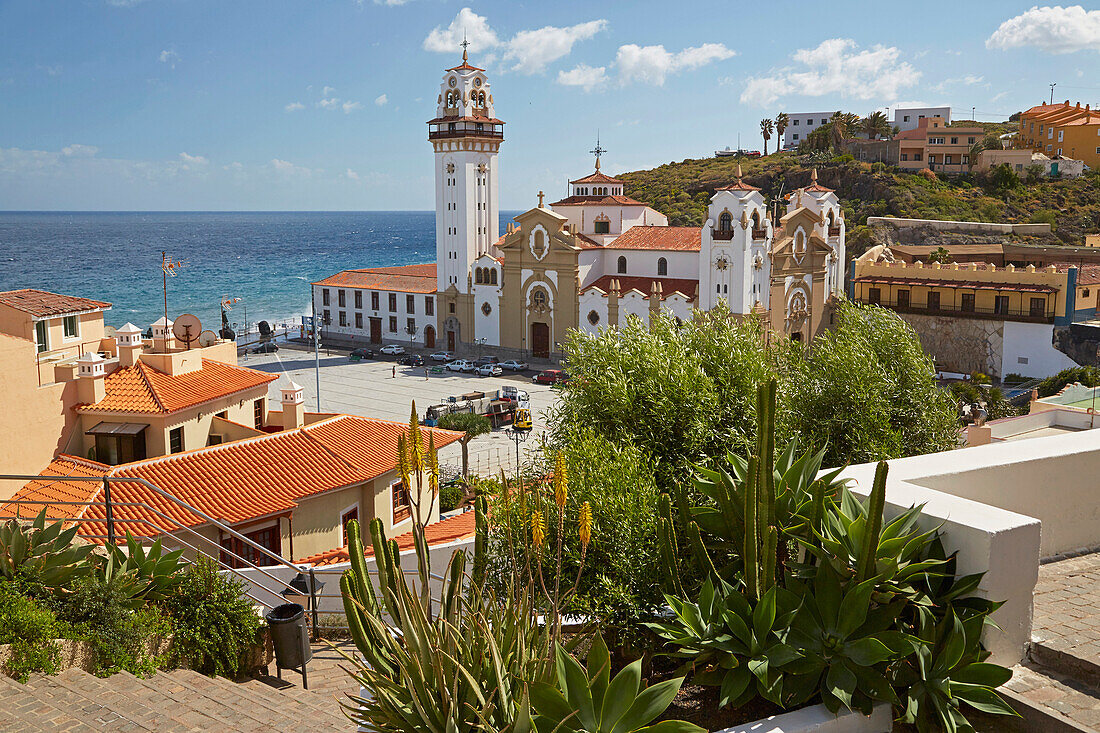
451,341
429,337
376,330
540,340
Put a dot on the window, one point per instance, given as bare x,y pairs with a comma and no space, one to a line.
601,227
934,300
935,141
795,136
621,266
796,123
593,317
824,121
903,299
41,336
971,140
268,538
343,318
410,326
1038,307
493,276
954,141
1000,305
486,309
393,302
947,160
450,307
358,298
662,267
874,296
358,320
905,118
410,304
1060,134
967,305
966,159
401,510
478,277
324,296
116,448
175,440
341,298
346,517
538,298
393,324
917,156
905,156
429,306
258,413
70,325
931,160
326,318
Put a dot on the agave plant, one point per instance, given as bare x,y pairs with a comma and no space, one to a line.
588,699
45,552
731,643
143,575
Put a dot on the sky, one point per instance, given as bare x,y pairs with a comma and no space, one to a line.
321,104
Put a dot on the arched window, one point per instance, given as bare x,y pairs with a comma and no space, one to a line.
622,266
538,298
493,276
725,222
756,221
478,276
662,267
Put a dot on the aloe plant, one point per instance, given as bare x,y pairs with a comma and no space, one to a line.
45,552
588,699
143,575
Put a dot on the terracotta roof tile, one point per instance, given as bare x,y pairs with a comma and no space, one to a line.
47,489
598,200
680,239
42,303
597,177
143,389
1086,274
669,285
407,279
451,529
738,186
239,481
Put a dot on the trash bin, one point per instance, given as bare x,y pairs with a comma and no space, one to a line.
290,637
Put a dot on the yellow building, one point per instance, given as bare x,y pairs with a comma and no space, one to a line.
1062,129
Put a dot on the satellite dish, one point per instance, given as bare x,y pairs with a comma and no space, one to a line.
187,329
207,338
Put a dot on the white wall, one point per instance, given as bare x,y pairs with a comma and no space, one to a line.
620,218
1032,342
592,300
403,314
643,263
807,123
916,113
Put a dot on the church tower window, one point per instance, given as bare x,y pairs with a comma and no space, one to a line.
493,276
725,226
662,267
478,278
621,266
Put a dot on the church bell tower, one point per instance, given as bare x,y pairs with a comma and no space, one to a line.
466,137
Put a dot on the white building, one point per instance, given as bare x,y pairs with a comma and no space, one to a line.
801,124
909,118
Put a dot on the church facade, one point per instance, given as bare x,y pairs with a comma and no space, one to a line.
588,261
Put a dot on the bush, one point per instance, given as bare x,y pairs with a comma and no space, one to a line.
450,496
1087,375
878,167
30,628
213,621
1045,216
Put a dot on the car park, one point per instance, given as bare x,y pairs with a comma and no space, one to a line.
513,365
393,349
444,356
490,370
358,354
412,360
461,365
269,348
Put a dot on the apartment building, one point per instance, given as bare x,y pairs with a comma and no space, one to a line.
372,305
909,118
936,146
801,124
1062,130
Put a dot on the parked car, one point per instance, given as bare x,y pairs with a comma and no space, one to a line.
550,376
515,366
392,349
269,348
358,354
413,360
461,365
444,356
487,360
490,370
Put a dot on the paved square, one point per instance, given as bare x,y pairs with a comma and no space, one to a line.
371,389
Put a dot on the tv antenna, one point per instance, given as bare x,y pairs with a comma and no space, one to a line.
168,268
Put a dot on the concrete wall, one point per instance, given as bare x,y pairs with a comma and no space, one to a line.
977,227
1028,349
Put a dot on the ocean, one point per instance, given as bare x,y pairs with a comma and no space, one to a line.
267,259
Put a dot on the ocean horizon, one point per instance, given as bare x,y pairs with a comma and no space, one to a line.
266,258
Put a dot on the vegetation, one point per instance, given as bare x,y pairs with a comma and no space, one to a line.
1086,375
469,423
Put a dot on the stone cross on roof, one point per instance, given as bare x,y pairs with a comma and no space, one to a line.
597,151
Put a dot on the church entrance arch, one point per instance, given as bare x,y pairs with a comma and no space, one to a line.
429,337
540,340
453,329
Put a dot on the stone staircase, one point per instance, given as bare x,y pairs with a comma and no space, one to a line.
179,700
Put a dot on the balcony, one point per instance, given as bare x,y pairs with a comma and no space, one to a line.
723,235
443,134
990,314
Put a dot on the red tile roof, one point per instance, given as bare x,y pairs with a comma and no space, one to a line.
738,186
680,239
1086,274
407,279
597,177
597,200
233,482
451,529
669,285
42,303
143,389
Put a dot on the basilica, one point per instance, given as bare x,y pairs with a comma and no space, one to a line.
588,261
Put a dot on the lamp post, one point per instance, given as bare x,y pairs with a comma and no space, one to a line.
519,435
411,330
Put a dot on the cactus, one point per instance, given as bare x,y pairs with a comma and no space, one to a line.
668,547
868,554
481,538
750,553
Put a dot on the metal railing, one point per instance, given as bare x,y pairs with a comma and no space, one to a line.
1015,314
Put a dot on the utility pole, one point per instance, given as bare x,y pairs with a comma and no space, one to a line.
316,346
1052,85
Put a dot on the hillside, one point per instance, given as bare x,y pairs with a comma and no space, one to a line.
682,190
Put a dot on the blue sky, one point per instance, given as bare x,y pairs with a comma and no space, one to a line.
321,104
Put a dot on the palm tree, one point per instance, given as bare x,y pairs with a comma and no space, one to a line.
876,125
782,122
838,129
766,129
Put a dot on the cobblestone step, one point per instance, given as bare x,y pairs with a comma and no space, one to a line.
1071,706
266,713
269,688
23,711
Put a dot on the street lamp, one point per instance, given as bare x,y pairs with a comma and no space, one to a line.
480,342
411,330
519,435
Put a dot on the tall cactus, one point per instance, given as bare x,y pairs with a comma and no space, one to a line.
481,538
751,552
868,555
668,548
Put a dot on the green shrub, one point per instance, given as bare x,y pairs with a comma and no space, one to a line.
1086,375
1014,378
30,628
212,619
1045,216
450,496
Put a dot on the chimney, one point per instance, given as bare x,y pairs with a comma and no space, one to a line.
162,335
91,378
294,409
129,345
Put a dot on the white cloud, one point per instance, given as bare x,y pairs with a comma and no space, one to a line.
381,100
286,168
998,96
653,64
1051,29
191,162
169,57
467,24
349,106
836,67
294,107
583,76
329,103
327,91
351,175
79,151
532,51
